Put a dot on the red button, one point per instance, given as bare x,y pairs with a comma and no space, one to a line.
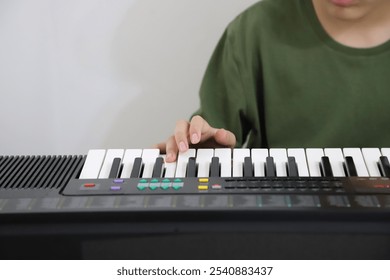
89,185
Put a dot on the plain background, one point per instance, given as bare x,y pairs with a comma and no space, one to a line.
82,74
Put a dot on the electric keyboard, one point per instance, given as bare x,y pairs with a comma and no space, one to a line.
200,180
133,191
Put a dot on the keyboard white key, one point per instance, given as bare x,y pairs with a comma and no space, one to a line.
203,160
386,152
313,160
107,164
93,164
238,161
258,159
280,160
336,159
358,159
300,159
225,161
128,161
148,159
182,162
170,169
371,158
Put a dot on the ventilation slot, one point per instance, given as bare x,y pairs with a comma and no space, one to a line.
42,172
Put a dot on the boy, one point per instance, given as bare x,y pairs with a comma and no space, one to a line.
296,73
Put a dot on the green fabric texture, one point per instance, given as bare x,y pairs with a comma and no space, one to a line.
317,92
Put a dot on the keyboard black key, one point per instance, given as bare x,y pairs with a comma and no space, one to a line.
248,167
136,168
326,168
350,167
158,168
292,167
116,164
215,170
270,169
384,166
191,167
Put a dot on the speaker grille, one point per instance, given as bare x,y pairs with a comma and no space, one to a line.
38,172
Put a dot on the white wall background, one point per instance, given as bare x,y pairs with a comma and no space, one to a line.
82,74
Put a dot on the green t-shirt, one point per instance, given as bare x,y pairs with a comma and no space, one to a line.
315,92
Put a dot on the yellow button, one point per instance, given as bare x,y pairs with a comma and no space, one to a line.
203,180
203,188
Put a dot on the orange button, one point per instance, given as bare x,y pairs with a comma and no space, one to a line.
89,185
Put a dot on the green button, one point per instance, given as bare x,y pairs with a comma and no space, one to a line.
166,181
153,188
178,180
141,187
165,186
142,181
154,181
177,187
